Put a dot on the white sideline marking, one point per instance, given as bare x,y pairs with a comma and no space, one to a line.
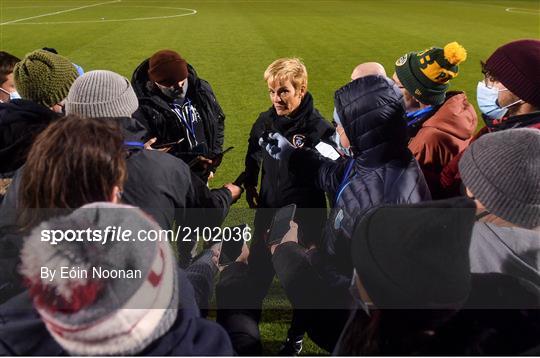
522,11
58,12
191,12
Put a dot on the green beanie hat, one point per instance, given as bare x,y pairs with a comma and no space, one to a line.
44,77
426,74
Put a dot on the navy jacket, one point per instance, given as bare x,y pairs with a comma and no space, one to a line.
22,331
383,170
20,122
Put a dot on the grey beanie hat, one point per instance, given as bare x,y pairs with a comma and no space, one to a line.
502,170
99,94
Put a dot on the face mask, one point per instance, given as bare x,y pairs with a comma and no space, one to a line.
172,92
353,290
12,95
487,99
341,148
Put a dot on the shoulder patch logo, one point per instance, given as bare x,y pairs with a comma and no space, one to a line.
298,140
401,61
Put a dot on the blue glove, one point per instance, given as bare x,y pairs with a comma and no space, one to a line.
278,146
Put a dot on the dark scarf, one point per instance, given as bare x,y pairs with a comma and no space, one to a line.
299,119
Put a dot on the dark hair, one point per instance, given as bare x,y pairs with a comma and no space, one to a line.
486,72
7,63
73,162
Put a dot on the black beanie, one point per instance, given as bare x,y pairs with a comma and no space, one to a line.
416,256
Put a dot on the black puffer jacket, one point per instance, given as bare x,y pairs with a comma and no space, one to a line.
383,170
155,113
20,122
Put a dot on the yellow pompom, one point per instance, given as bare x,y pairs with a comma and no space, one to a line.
455,53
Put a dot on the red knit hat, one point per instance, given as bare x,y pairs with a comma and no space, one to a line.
167,68
515,65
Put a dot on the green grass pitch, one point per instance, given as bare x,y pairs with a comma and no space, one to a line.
230,43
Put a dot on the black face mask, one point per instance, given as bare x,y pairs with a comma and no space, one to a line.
172,92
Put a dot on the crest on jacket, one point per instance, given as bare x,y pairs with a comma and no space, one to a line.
298,140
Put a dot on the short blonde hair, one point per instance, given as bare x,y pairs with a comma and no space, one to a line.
284,69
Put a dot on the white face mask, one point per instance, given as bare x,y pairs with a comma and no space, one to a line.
337,140
487,99
12,95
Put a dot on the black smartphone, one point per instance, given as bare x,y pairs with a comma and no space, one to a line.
240,180
231,248
280,224
165,145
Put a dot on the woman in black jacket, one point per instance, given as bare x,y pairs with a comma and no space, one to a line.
294,116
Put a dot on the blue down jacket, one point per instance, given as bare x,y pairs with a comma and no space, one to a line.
382,169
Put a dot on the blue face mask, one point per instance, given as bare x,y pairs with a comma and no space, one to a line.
346,151
14,95
488,101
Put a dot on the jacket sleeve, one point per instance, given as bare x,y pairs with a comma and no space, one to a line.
219,117
298,278
308,281
212,204
313,169
201,275
254,155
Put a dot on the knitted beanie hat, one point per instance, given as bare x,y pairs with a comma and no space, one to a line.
421,260
44,77
106,298
502,170
99,94
167,68
515,65
426,74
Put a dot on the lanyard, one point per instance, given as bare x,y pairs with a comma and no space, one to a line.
345,181
134,144
188,122
417,116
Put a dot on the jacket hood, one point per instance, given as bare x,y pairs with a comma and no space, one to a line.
456,116
20,122
372,113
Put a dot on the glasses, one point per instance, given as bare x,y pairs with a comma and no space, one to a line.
489,81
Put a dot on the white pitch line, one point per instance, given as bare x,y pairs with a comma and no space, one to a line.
522,10
58,12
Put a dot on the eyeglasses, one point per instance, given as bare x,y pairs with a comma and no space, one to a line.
489,81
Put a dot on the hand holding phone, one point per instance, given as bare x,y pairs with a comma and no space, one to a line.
231,249
290,236
280,224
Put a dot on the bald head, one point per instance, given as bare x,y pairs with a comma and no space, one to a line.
368,69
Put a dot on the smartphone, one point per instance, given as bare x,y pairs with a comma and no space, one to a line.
231,249
240,180
280,224
165,145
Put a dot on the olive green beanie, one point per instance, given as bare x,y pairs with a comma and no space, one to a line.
426,74
44,77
